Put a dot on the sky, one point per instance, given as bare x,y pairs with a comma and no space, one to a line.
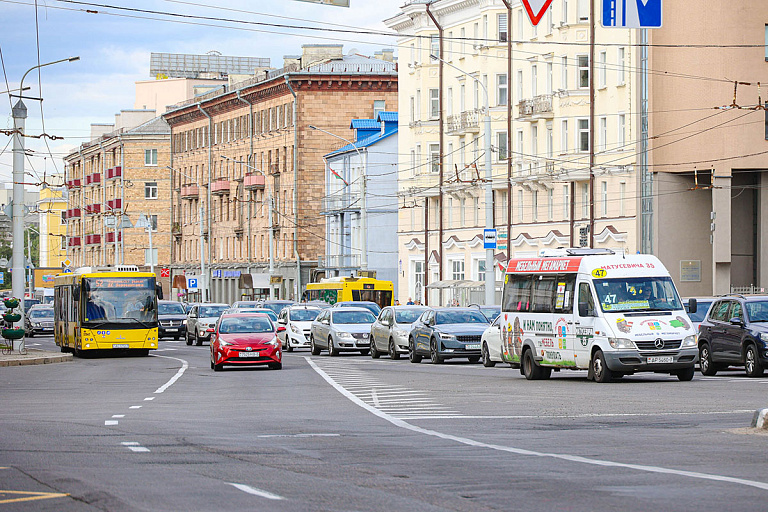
114,47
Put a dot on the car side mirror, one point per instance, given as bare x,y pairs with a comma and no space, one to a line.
281,328
692,306
737,321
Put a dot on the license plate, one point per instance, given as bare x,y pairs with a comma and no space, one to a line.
171,330
660,359
473,346
249,354
120,345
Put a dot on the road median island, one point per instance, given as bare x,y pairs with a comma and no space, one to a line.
760,419
33,357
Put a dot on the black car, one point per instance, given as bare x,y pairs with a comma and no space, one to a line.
39,320
171,316
735,333
445,333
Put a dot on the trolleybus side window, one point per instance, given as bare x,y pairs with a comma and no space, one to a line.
517,293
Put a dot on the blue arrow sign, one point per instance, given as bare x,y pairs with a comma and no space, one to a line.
631,13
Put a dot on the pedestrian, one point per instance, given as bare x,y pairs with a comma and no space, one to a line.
397,302
410,301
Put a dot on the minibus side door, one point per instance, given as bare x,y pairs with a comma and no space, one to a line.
585,316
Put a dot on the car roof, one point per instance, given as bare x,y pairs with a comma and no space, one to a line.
244,313
457,309
366,310
303,306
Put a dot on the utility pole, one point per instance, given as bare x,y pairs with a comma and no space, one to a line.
151,251
19,112
202,282
271,248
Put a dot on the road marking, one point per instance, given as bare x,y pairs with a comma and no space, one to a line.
110,422
118,415
29,496
134,446
256,492
149,398
398,422
184,366
136,407
298,435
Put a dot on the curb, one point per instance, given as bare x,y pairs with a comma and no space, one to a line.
760,419
31,358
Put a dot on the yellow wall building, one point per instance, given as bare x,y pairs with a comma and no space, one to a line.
53,228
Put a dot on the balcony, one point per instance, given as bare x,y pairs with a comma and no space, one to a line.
336,202
539,107
73,212
74,183
189,191
114,204
254,181
220,187
338,261
114,172
92,239
92,179
466,122
110,238
92,209
74,241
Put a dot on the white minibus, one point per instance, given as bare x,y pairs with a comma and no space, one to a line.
591,309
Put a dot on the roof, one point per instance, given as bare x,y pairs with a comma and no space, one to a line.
157,125
387,117
365,124
365,141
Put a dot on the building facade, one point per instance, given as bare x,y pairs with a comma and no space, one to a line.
52,210
114,180
544,138
248,174
361,221
707,207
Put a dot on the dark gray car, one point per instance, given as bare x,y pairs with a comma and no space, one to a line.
446,333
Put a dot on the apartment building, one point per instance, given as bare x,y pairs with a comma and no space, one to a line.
540,138
248,174
52,222
113,180
707,212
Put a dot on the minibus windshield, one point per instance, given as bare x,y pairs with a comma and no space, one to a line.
637,294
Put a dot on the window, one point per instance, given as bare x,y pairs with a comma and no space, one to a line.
150,190
502,90
604,197
520,22
550,204
620,71
434,104
583,135
449,214
413,54
583,76
549,78
622,192
586,302
520,207
463,37
621,138
457,270
413,109
517,293
480,268
603,63
535,205
418,278
534,80
564,137
582,8
585,200
543,294
501,36
475,211
485,29
449,51
550,142
418,104
378,107
564,73
413,162
534,141
501,146
462,212
434,158
476,94
519,84
434,47
566,201
449,103
550,23
603,133
150,157
520,148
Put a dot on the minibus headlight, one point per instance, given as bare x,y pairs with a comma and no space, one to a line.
689,341
621,343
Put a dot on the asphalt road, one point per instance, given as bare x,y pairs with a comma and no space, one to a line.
166,433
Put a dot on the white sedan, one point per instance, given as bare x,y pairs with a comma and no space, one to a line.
491,344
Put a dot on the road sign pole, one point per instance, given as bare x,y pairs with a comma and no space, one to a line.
19,113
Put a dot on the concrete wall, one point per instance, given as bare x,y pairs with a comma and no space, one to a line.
158,94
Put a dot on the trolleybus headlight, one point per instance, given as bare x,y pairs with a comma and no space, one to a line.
621,343
689,341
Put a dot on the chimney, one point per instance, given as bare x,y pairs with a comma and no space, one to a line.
388,54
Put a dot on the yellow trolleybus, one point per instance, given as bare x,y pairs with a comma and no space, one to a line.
106,309
340,289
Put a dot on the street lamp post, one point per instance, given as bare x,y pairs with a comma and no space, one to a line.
19,113
203,280
269,220
363,205
490,273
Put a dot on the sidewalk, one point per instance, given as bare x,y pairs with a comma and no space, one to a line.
33,356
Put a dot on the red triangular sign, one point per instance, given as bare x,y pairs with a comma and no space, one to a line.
536,9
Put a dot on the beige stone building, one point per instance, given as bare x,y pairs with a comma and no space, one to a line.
707,208
247,154
541,158
118,176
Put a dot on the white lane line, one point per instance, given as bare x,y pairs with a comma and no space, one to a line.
606,415
404,400
149,398
110,422
138,449
184,366
374,398
298,435
520,451
118,415
136,407
256,492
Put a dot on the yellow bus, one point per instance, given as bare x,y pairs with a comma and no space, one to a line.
106,309
341,289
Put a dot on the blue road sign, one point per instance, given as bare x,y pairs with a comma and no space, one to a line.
192,283
632,13
489,239
2,277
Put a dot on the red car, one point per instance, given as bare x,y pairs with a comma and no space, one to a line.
245,339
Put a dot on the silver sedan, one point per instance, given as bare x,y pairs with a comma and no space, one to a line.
389,333
341,330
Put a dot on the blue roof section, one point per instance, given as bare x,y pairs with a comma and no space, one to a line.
365,124
387,117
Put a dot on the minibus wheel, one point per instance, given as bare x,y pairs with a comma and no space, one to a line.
600,371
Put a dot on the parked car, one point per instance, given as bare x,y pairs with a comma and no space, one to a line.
201,321
491,349
245,339
341,329
735,333
446,333
702,306
389,333
172,319
369,305
297,320
275,305
490,312
39,320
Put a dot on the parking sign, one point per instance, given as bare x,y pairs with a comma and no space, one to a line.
192,283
